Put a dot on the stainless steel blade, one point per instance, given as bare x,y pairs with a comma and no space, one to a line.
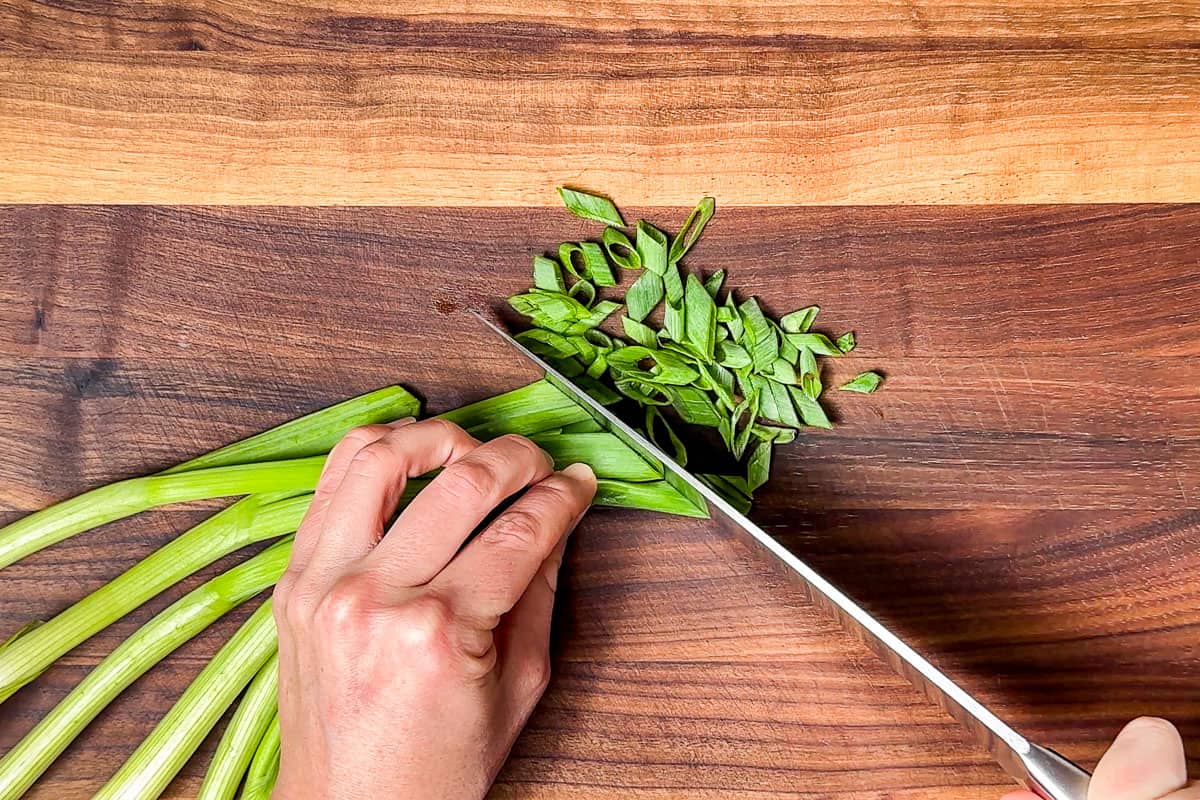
1043,771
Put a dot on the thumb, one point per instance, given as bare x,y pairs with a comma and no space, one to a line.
1145,762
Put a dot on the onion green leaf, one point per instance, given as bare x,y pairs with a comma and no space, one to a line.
760,338
700,318
712,284
864,383
810,409
799,321
591,206
642,334
645,293
547,274
693,226
652,247
819,343
620,249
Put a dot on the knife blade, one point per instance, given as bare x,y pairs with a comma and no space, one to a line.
1040,769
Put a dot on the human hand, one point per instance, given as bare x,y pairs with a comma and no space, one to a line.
408,663
1145,762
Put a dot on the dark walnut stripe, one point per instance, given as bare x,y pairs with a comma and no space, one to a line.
1020,499
323,285
1036,357
558,24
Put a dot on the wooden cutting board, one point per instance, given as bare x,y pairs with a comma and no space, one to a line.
1021,500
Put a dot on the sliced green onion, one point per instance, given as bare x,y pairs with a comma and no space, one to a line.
864,383
693,226
591,206
652,247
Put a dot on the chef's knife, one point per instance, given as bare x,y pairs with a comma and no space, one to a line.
1040,769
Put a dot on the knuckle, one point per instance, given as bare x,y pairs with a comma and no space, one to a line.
445,427
425,624
348,606
297,609
359,437
516,529
374,458
469,479
515,441
558,492
282,590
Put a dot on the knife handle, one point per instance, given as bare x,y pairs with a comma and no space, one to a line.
1053,777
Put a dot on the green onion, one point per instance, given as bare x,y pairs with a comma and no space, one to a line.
645,293
739,366
547,274
652,248
693,226
124,498
799,321
864,383
620,250
534,408
166,631
163,753
264,769
591,206
658,496
313,434
249,723
607,455
243,523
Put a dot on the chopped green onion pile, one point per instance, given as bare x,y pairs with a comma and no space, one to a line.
711,361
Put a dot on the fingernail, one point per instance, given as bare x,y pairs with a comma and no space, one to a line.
400,423
580,471
552,574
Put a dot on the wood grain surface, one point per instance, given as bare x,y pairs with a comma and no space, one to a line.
832,24
500,123
1021,500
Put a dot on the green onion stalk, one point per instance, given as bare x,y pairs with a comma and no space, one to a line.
264,769
252,519
124,498
195,611
175,738
246,728
534,408
245,522
166,631
313,434
294,452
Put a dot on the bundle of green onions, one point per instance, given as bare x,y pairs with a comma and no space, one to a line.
725,366
276,471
